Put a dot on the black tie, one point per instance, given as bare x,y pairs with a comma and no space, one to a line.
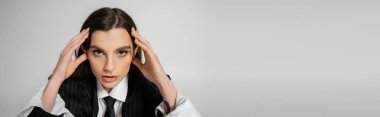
110,112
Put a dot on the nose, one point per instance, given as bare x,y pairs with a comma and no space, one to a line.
109,66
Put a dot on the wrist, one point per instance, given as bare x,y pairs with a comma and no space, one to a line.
168,92
56,79
163,81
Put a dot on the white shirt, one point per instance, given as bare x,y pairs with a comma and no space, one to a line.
184,108
119,92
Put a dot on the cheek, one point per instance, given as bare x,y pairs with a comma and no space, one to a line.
125,64
96,64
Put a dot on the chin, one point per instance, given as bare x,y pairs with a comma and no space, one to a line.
108,85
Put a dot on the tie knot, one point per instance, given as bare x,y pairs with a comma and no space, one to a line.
109,101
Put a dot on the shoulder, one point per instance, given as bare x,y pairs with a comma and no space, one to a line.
79,95
78,85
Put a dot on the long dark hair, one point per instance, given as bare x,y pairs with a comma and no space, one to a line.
104,19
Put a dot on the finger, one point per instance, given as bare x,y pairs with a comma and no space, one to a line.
83,32
137,62
76,45
79,60
72,39
137,35
80,39
148,53
142,46
135,51
145,46
76,40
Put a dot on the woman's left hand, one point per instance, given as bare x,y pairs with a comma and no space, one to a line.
154,72
152,68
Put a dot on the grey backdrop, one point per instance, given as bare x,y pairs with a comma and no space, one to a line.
275,58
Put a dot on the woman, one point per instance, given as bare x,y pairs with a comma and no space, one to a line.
107,78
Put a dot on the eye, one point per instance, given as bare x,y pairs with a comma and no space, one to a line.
122,53
98,53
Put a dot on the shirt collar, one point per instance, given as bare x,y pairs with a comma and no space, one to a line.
119,92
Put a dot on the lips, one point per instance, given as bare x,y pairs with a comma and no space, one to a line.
108,79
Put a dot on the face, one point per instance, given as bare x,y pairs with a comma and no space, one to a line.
110,56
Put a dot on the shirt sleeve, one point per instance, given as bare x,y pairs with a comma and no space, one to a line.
58,109
184,108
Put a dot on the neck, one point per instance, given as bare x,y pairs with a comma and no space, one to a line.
108,90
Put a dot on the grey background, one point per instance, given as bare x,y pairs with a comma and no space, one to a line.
263,58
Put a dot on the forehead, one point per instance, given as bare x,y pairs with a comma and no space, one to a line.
111,39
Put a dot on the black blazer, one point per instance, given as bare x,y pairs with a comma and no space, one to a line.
80,96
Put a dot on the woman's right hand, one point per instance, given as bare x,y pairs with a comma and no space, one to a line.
66,65
64,68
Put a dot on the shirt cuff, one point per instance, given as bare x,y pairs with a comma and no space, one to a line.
58,109
184,108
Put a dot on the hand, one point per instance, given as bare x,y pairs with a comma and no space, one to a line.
64,68
66,65
152,68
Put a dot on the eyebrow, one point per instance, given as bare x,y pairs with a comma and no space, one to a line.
127,47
